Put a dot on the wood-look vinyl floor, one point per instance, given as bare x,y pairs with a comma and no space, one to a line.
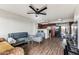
46,47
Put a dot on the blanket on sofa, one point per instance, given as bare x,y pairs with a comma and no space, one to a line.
4,46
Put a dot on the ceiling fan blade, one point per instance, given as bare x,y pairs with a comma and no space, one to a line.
43,13
31,13
33,8
42,9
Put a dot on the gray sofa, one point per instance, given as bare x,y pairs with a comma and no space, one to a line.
20,37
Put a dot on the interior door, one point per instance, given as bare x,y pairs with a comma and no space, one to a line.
53,30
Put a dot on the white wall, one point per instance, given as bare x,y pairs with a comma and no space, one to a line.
35,28
14,23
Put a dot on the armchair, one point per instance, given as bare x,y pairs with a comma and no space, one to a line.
39,36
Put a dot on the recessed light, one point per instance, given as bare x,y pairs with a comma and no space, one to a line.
59,19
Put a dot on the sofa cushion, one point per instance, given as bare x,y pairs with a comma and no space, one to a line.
37,39
21,39
11,40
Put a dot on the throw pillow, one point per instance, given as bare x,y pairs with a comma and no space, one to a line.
11,40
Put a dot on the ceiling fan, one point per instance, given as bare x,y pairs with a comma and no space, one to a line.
37,11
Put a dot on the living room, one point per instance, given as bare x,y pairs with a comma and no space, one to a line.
35,29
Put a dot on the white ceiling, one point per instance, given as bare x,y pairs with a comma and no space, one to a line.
54,11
